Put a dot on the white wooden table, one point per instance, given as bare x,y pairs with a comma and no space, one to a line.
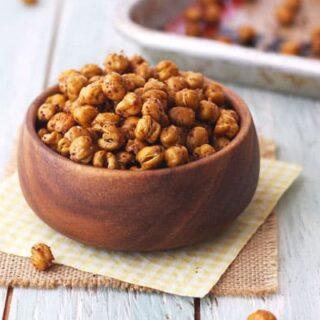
38,42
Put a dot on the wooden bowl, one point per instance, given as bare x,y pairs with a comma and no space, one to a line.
139,211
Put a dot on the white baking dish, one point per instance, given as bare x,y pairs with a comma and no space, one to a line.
142,20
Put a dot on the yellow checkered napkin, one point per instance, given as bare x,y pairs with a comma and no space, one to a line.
190,271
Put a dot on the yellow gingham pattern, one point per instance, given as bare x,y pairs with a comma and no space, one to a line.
190,271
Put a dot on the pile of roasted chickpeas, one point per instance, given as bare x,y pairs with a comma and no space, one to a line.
204,14
129,115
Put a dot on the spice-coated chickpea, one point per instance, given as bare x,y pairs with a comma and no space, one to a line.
144,70
84,115
195,80
227,124
75,132
203,151
67,73
112,138
132,81
92,94
154,108
136,60
134,146
41,255
103,120
81,150
176,84
172,135
52,138
63,146
130,105
214,93
91,70
112,162
208,112
187,98
42,132
72,85
182,116
176,156
166,69
113,86
58,100
291,48
246,35
196,137
124,159
129,126
148,129
261,315
154,84
103,159
47,111
116,63
156,94
150,157
221,142
61,122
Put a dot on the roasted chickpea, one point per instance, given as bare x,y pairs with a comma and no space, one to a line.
112,162
196,137
95,79
187,98
143,70
246,35
156,94
227,124
113,86
195,80
182,116
148,129
61,122
176,156
261,315
30,2
221,142
208,111
42,132
92,94
154,84
315,34
72,85
112,138
84,115
150,157
124,159
290,48
136,60
116,63
81,150
154,108
134,146
203,151
129,126
47,111
130,105
52,138
41,255
176,84
293,5
105,159
285,16
132,81
172,135
214,93
315,47
67,73
103,120
58,100
75,132
63,146
166,69
91,70
212,14
193,29
193,14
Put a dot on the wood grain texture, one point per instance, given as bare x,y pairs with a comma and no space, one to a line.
25,36
102,304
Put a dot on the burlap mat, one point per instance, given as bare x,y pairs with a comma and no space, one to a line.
253,273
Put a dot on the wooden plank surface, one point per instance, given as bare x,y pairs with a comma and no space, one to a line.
97,304
25,45
3,294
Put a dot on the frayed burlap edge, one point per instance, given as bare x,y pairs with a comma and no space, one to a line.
253,273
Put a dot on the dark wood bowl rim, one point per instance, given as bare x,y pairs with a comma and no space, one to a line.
237,103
